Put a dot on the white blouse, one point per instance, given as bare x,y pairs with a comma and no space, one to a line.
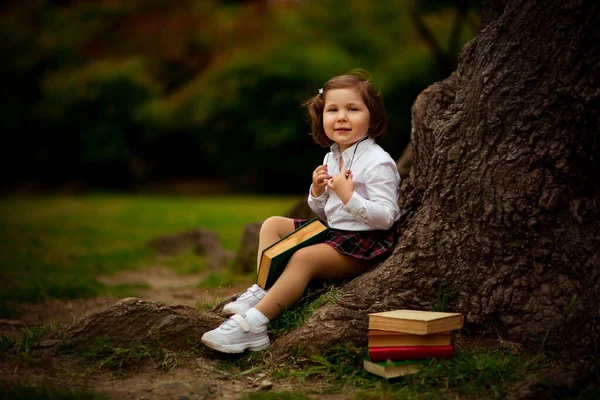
374,204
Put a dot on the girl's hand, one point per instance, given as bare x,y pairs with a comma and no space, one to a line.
319,180
343,185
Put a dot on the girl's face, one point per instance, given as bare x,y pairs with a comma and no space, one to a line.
345,116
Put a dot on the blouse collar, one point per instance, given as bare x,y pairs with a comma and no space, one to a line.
335,148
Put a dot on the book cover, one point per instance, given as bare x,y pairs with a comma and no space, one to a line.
390,338
275,257
392,369
416,322
410,352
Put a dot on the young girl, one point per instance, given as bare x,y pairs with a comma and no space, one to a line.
355,192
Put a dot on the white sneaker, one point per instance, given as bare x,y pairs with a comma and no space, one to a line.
246,301
236,335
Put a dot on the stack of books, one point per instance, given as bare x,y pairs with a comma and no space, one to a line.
400,340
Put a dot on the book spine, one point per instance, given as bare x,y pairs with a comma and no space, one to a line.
412,327
376,332
412,340
395,353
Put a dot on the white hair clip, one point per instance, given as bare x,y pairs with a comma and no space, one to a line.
321,91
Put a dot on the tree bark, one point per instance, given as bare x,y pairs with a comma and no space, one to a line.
132,320
501,207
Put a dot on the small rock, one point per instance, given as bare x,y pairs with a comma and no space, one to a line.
265,385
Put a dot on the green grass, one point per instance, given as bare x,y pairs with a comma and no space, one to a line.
120,361
316,296
22,346
55,247
490,374
186,262
223,278
30,335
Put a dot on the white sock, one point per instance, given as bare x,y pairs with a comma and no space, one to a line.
255,318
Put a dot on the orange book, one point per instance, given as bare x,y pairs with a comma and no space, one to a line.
390,338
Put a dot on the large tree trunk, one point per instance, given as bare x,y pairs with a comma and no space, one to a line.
502,205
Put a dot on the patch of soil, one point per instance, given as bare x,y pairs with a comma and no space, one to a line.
193,377
163,285
46,312
168,287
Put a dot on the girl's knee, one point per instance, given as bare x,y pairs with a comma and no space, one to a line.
300,256
277,224
272,222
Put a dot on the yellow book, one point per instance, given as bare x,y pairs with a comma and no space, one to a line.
392,369
275,257
414,321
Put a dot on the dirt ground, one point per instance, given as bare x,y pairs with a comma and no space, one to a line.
193,378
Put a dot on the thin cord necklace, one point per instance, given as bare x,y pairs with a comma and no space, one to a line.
353,154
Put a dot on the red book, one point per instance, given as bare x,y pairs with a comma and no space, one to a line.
410,352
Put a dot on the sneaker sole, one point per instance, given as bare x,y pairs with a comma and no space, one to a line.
238,348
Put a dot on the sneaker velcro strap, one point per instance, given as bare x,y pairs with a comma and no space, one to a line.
241,322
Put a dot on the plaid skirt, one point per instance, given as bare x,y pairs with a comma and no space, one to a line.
366,245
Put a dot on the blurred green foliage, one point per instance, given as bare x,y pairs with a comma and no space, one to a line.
115,93
93,109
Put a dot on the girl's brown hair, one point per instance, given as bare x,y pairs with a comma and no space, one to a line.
373,100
